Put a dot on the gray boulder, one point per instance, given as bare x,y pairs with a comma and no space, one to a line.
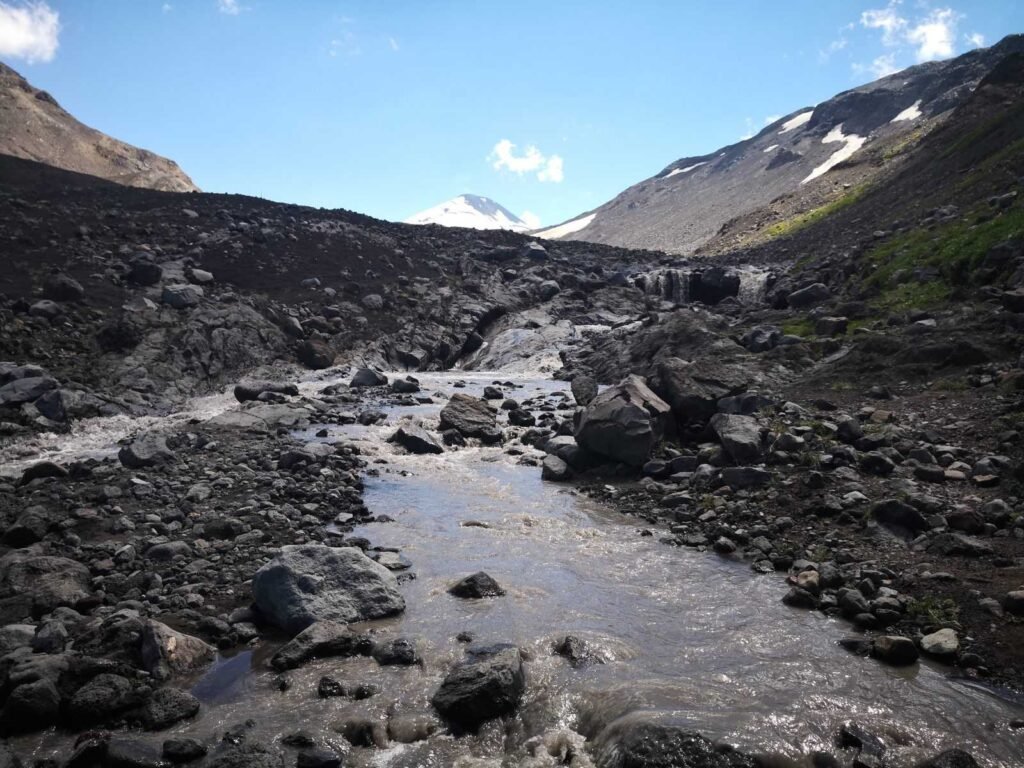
25,390
469,416
252,390
309,583
146,450
44,582
324,639
62,287
167,652
740,436
810,296
181,296
624,422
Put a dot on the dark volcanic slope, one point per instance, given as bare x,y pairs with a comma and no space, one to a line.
34,126
274,280
686,204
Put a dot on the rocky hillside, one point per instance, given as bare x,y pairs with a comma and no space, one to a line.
797,164
34,126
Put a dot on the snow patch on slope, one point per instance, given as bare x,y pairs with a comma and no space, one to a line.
851,144
769,149
910,113
568,228
795,122
472,212
687,169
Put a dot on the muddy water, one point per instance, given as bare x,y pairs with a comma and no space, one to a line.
686,637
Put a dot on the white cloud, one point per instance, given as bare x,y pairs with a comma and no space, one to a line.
393,43
976,40
346,45
934,34
504,156
532,220
882,66
553,170
886,19
29,31
834,47
167,8
230,7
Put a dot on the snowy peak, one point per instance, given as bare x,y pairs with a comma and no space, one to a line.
472,212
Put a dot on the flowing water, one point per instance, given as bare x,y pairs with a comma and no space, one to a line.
684,637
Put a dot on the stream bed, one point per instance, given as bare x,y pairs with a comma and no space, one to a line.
679,636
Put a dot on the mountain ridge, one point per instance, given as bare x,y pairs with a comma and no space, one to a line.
472,212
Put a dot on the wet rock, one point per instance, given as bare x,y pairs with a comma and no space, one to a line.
475,586
364,732
147,450
318,758
584,389
895,650
853,736
800,598
183,750
554,469
397,652
315,354
415,440
951,758
367,377
168,706
406,386
943,644
762,338
486,686
577,650
410,727
252,390
132,753
740,436
493,393
624,422
330,688
30,707
469,416
321,640
309,583
521,418
167,652
632,743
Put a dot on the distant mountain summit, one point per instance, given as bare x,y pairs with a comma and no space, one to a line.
472,212
799,163
35,127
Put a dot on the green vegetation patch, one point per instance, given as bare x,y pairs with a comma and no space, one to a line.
802,221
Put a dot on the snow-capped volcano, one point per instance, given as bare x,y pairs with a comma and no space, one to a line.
471,211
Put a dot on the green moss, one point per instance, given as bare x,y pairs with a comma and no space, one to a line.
798,328
933,610
804,220
953,250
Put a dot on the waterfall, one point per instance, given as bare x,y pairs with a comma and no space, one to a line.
681,285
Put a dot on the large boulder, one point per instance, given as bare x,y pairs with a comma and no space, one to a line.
633,743
42,582
25,390
488,685
469,416
694,389
810,296
311,582
147,450
315,354
740,436
624,422
252,390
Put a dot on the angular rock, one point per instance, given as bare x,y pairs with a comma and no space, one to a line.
415,440
181,296
367,377
469,416
584,389
895,650
167,652
246,391
740,436
147,450
321,640
624,422
315,354
553,468
943,644
309,583
168,706
44,582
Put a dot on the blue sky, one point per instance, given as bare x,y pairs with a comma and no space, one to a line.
391,107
